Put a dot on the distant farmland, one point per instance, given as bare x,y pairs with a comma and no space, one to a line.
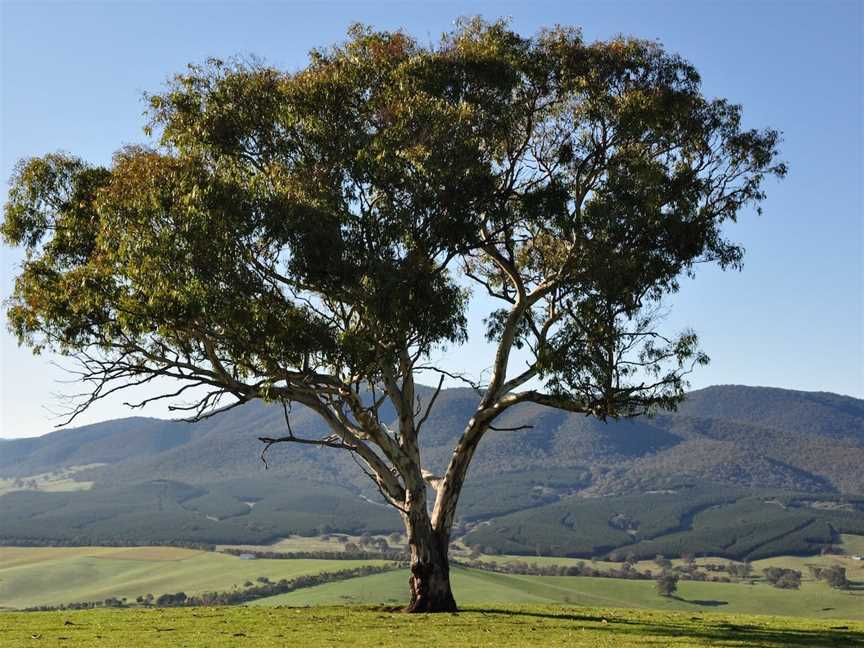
55,575
62,575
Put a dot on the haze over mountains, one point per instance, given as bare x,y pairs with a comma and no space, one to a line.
746,436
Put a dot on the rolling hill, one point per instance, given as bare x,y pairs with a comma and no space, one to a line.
205,482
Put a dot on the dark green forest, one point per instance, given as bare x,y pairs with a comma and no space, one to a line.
740,472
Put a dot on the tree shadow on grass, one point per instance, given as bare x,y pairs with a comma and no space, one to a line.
704,603
717,632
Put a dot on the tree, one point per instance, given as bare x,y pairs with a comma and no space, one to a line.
740,570
783,578
666,583
171,600
313,238
835,576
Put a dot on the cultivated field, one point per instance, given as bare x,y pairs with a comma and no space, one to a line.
489,626
53,575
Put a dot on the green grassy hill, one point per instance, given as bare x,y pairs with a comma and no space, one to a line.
474,587
50,576
487,627
62,575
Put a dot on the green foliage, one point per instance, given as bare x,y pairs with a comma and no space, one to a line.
307,238
666,583
783,578
284,223
835,576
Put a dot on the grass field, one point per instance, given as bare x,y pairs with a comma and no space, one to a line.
854,568
492,626
851,544
52,575
297,543
59,481
473,587
291,544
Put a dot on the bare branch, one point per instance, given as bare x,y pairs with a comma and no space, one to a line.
328,442
476,386
431,403
511,429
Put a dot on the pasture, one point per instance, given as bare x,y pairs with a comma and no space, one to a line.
478,627
854,568
54,575
58,575
474,587
59,481
334,542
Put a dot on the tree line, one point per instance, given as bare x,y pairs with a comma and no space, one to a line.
349,554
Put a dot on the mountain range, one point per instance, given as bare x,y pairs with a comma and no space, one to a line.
747,436
717,469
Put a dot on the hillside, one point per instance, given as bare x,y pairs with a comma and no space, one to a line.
89,574
748,436
726,447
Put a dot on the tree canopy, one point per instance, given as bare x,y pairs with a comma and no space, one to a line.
315,237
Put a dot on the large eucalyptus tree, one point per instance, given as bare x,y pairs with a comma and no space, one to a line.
313,237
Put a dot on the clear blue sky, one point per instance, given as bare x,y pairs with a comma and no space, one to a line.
73,75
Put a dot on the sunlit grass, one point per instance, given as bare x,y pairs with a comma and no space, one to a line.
492,626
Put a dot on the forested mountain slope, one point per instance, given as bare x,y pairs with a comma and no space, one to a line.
737,471
746,436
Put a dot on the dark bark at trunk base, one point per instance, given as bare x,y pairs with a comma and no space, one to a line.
430,574
430,589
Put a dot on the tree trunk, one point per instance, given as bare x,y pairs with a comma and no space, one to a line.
430,567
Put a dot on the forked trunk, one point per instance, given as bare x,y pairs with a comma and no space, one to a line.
430,567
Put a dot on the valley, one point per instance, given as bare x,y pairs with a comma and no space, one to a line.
128,508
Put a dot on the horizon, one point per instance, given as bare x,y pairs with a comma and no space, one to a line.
792,319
